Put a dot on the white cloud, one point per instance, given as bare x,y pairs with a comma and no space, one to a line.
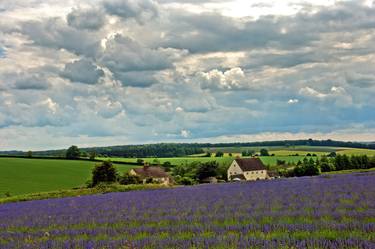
231,79
337,93
293,101
185,133
173,69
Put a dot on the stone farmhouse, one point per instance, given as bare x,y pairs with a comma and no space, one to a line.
247,169
154,173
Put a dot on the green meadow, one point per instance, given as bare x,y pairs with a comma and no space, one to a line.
290,154
22,176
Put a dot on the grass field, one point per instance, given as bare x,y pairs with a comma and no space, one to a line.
226,160
22,176
292,150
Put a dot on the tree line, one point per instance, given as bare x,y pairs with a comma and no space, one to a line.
184,149
310,167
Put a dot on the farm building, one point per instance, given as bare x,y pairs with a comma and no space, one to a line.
247,169
154,173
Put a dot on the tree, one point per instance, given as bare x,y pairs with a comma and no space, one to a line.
219,154
73,152
371,163
311,169
208,169
307,168
92,155
29,153
248,153
332,154
104,172
167,166
264,152
325,165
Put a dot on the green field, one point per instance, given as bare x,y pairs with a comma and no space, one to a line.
22,176
292,150
226,160
287,154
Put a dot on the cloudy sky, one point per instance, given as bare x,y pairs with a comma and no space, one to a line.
107,72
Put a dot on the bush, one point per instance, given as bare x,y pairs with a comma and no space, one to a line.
184,180
92,155
207,169
104,172
219,154
264,152
167,166
127,179
306,168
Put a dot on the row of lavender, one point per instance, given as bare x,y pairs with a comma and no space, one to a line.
311,212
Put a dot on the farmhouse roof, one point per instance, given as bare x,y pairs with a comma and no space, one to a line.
149,171
250,164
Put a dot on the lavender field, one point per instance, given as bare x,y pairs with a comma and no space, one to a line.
335,211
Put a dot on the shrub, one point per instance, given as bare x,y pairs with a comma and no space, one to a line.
219,154
127,179
92,155
207,169
104,172
184,180
264,152
167,166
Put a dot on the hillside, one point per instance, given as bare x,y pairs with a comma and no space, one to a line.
21,176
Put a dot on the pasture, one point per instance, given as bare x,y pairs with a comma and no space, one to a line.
226,160
330,211
287,154
300,150
22,176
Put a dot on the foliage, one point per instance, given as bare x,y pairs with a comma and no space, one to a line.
219,154
29,154
92,155
208,169
264,152
308,167
332,154
127,179
73,152
325,165
167,166
104,172
246,153
184,180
